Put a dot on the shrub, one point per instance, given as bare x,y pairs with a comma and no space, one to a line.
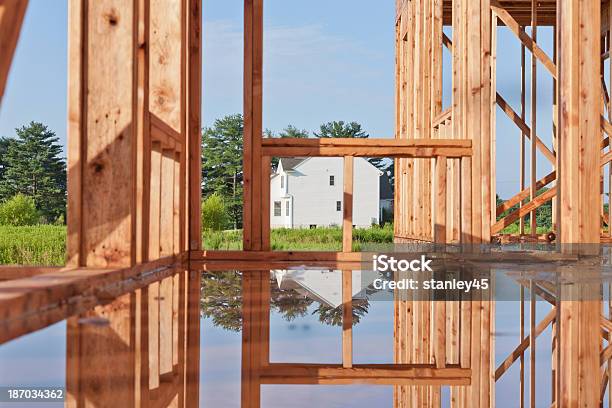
214,213
19,210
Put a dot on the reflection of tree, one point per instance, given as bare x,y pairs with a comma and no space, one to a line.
221,300
333,316
288,303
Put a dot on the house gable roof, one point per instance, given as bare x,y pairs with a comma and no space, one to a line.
289,163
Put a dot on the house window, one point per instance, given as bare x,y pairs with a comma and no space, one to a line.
287,208
277,208
332,180
338,205
282,181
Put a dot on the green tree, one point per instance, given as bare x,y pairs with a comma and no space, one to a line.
214,213
18,211
222,170
5,142
289,132
292,132
340,129
33,166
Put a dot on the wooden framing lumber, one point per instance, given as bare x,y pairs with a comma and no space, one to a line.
511,202
513,25
524,210
347,205
58,295
524,344
12,13
366,148
379,374
578,170
347,318
253,94
526,130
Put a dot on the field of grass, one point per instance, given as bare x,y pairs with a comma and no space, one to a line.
319,239
46,244
514,229
37,245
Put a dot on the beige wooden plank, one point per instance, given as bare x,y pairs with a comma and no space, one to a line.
347,205
359,151
12,13
579,92
347,318
513,25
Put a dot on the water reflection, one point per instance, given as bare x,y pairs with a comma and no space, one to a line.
180,342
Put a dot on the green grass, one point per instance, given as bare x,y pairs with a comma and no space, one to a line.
514,229
45,245
318,239
36,245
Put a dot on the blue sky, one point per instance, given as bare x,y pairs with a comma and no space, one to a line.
324,60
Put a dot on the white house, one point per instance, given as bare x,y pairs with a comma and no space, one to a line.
308,193
323,286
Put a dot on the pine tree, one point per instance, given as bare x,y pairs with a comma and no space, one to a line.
340,129
5,142
292,132
222,171
33,166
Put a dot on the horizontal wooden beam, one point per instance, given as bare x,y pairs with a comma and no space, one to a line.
381,374
20,272
531,45
30,304
277,256
332,147
337,260
366,143
358,151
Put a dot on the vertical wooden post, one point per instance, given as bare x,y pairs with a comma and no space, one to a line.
347,318
533,116
253,67
578,171
103,138
347,205
440,201
194,122
472,106
11,19
523,135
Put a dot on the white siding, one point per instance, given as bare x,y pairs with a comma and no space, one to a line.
313,200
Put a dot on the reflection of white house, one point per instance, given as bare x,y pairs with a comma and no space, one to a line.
323,286
308,192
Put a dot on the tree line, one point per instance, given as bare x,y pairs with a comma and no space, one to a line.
222,169
33,170
32,177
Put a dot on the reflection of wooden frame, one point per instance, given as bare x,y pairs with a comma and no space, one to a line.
257,368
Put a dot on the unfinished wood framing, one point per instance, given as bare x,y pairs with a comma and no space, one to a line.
134,228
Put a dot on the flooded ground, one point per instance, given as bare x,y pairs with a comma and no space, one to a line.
305,326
